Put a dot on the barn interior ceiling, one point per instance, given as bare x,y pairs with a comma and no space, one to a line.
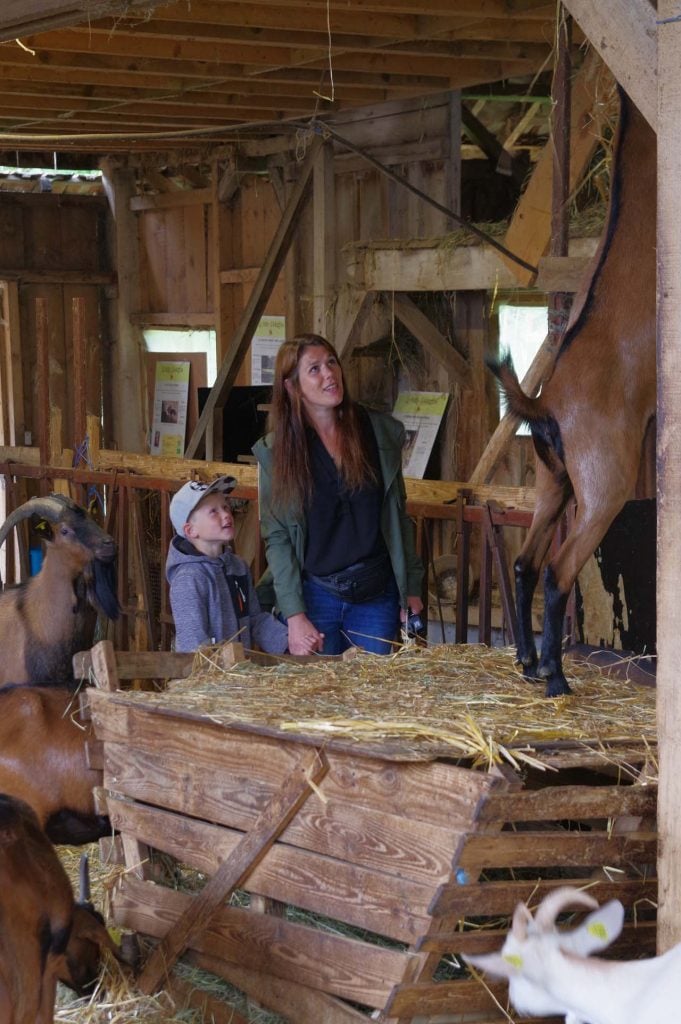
103,76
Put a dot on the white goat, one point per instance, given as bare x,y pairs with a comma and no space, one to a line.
550,972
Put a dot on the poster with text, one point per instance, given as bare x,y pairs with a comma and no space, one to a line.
268,336
171,390
421,413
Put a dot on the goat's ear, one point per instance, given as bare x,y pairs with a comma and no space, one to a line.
597,931
496,964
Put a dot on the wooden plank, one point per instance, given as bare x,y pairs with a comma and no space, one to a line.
423,999
669,473
635,940
402,789
556,803
537,849
140,664
187,996
500,898
345,967
561,273
257,299
291,999
624,33
432,340
334,888
367,837
235,868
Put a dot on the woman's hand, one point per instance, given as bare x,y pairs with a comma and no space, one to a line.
303,637
414,607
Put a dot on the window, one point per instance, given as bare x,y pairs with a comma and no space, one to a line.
522,329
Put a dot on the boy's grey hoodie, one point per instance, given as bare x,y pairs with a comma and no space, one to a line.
213,599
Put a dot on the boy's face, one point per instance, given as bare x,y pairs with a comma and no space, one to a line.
212,521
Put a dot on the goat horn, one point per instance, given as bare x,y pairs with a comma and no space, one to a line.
84,878
556,902
51,507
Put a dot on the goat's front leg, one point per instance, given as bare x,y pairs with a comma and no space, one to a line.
551,661
525,583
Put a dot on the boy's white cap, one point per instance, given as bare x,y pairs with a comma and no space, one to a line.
190,494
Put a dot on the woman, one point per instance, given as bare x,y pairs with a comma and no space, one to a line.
339,543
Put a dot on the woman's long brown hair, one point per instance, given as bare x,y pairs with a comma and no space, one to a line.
292,475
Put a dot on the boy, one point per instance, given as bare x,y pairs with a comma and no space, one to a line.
211,592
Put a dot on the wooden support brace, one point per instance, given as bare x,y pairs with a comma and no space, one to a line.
233,871
261,292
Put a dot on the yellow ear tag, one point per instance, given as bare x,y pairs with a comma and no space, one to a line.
514,960
42,526
598,929
115,934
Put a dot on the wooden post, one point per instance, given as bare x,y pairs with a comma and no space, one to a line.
560,302
130,416
669,474
79,371
43,375
323,240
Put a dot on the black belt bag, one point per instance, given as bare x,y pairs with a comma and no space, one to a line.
363,581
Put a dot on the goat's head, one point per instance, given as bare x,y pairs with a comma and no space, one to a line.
80,965
84,546
534,942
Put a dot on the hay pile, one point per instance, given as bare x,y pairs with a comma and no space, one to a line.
467,702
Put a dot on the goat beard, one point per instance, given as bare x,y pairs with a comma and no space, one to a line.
101,588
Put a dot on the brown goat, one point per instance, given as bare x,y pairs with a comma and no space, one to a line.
43,937
43,761
46,620
589,422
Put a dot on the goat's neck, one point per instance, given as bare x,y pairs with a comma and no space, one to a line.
591,989
53,595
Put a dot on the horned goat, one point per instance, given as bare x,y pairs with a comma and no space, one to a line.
551,972
589,421
43,761
44,935
47,619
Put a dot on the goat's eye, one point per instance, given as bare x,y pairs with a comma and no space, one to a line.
65,531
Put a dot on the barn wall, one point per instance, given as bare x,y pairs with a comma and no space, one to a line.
54,247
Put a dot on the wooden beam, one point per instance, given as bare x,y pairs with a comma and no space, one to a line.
624,33
425,331
406,267
130,417
669,476
272,820
22,17
257,300
323,240
529,232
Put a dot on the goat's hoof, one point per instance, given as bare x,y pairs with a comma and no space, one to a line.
557,686
528,665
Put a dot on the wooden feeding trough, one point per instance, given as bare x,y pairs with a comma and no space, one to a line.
372,860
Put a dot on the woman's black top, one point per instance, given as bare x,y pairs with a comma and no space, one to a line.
343,526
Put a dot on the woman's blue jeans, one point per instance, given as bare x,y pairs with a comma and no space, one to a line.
371,624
